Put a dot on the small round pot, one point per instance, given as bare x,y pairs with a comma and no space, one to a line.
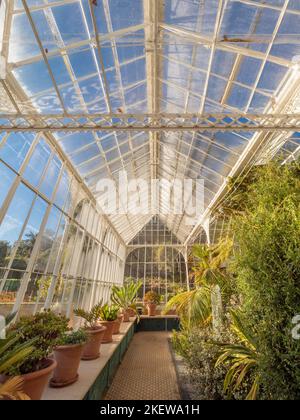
68,360
117,325
91,350
151,309
34,383
108,335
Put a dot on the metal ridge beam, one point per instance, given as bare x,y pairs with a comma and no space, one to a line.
149,122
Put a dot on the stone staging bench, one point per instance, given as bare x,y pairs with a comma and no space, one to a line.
96,376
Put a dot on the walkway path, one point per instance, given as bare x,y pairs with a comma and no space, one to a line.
147,371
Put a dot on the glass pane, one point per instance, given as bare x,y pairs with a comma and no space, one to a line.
6,179
37,163
51,177
16,148
47,240
14,219
30,233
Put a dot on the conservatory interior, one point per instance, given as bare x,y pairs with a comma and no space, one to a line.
149,199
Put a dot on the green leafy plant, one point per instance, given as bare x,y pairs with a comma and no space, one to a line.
91,317
199,354
267,271
152,297
109,313
241,359
13,353
73,338
12,356
45,329
123,297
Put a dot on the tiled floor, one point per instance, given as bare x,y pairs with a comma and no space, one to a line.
147,371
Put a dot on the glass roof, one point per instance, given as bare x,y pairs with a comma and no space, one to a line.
212,56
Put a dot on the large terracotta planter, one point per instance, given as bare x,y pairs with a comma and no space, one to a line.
151,309
35,383
91,349
68,360
117,325
108,335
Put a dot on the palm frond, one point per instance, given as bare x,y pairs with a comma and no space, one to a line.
13,389
210,261
241,359
195,304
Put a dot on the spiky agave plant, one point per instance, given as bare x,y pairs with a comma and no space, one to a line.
241,359
123,297
13,354
196,305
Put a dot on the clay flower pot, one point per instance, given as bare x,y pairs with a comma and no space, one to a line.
68,360
171,312
91,349
131,312
36,382
151,309
117,325
108,335
126,315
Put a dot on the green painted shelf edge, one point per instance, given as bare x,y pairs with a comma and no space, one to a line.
104,380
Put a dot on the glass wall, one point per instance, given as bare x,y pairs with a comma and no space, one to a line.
156,257
56,249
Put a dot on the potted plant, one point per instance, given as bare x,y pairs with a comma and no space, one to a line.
44,329
151,299
95,332
124,297
68,353
118,323
13,355
108,317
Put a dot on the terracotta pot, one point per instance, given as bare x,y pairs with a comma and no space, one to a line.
91,349
36,382
117,325
172,312
151,309
131,312
68,360
126,316
108,335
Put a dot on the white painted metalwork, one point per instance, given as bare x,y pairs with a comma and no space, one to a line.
150,122
160,89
